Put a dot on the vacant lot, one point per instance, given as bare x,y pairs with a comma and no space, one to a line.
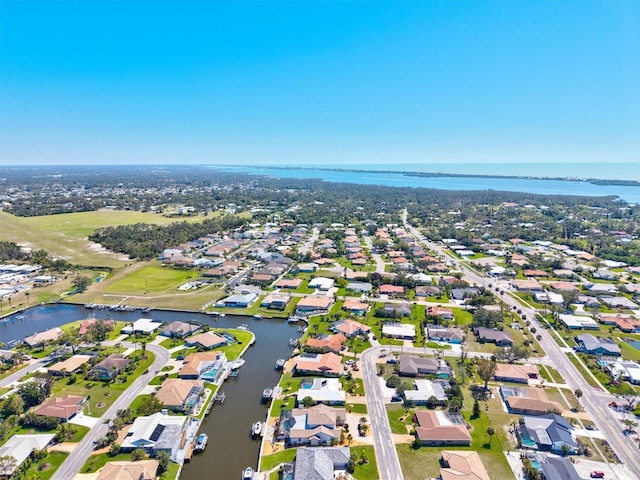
151,279
66,235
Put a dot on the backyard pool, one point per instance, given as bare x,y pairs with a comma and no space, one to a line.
634,343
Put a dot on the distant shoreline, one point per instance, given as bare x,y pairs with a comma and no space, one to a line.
593,181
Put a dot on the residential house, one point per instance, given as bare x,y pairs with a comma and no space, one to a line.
579,322
321,283
312,304
462,465
359,287
207,366
86,324
528,401
618,302
179,329
181,395
402,309
313,426
327,391
527,285
516,373
21,447
242,300
626,370
69,365
424,391
549,432
275,301
444,334
125,470
110,367
464,293
206,340
63,408
411,366
559,468
391,290
350,328
355,307
598,345
626,324
321,463
42,338
439,428
404,331
143,326
441,312
599,288
326,343
291,283
327,364
488,335
156,433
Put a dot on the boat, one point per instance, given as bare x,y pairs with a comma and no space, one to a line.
256,428
267,393
280,363
243,326
20,317
257,316
237,364
247,474
201,442
222,315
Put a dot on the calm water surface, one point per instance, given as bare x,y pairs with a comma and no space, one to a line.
230,448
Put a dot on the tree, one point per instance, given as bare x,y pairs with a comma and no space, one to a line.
490,432
7,465
138,454
13,405
476,409
308,402
65,432
32,393
578,394
432,402
81,283
163,458
564,449
114,450
486,369
150,406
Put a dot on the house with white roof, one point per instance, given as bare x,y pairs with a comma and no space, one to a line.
20,447
321,283
424,390
322,390
156,433
144,326
405,331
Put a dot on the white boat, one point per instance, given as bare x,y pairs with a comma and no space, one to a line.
280,363
243,326
238,363
267,393
257,316
256,428
247,474
201,442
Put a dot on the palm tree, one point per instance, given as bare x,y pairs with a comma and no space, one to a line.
578,394
490,432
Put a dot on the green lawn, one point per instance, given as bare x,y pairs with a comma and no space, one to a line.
152,279
369,469
45,468
357,408
95,462
172,472
582,370
400,419
268,462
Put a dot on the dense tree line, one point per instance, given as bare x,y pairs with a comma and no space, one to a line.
144,241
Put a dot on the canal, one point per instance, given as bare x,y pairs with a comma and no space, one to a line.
230,448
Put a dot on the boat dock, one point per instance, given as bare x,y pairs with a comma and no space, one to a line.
218,398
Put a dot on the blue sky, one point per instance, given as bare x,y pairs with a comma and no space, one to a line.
319,83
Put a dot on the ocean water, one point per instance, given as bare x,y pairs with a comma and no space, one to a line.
373,175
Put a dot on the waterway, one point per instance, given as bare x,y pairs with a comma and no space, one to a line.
230,448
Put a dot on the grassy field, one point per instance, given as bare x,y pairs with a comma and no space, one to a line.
151,279
400,419
268,462
65,235
45,468
367,470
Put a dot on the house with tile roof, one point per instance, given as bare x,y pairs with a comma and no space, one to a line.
327,364
488,335
516,373
69,365
203,365
439,428
64,408
462,465
355,307
180,395
326,343
312,426
445,334
206,340
42,338
179,329
110,367
125,470
312,304
528,401
350,328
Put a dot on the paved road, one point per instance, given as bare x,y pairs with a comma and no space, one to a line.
380,266
386,454
594,401
80,454
14,377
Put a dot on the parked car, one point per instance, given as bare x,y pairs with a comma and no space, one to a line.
590,427
392,360
596,474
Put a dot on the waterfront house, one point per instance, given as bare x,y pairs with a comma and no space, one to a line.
516,373
313,304
180,395
326,343
327,391
349,328
143,326
156,433
203,365
312,426
462,465
42,338
110,367
242,300
125,470
411,366
327,364
63,408
321,463
179,329
439,428
20,447
86,324
626,324
275,301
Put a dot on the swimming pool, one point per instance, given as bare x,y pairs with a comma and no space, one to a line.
634,343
